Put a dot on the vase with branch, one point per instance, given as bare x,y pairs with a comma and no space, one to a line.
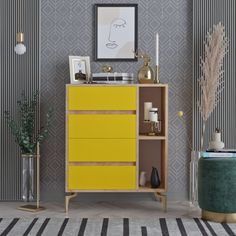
193,165
212,80
28,137
211,85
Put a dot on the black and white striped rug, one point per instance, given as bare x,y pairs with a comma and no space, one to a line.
113,227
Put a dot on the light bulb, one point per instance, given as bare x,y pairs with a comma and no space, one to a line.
20,49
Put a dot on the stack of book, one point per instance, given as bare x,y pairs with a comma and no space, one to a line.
219,153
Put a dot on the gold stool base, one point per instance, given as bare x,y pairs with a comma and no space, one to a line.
219,217
31,208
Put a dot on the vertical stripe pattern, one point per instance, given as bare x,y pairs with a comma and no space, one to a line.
228,229
125,227
30,227
17,73
104,227
144,231
63,226
82,227
210,228
206,13
43,226
164,228
181,227
9,227
200,226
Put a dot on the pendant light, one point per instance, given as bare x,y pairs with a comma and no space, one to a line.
20,48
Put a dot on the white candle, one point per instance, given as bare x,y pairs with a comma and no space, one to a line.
157,49
147,107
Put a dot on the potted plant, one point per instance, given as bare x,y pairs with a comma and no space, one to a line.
27,135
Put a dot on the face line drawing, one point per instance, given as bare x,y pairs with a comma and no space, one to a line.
120,23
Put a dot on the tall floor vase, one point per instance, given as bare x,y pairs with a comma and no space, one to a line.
28,177
193,188
28,182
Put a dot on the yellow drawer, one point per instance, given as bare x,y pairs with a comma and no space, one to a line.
101,177
102,150
101,126
102,98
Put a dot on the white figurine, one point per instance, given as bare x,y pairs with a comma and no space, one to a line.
216,143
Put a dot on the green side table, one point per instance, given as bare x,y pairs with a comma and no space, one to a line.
217,189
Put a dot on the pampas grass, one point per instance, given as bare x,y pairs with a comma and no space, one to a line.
212,80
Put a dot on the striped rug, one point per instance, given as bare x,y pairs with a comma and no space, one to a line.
112,227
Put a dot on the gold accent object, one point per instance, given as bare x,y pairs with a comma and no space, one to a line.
20,37
37,207
219,217
107,69
31,208
146,73
155,127
157,80
67,200
162,198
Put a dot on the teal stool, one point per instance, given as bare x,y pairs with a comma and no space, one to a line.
217,189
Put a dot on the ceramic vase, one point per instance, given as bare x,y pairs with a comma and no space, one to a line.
142,179
155,180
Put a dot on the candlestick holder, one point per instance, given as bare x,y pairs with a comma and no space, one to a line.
155,127
157,80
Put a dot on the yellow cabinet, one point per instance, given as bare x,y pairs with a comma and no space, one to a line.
102,150
101,126
101,98
106,141
101,177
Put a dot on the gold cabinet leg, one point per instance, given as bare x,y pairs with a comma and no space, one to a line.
163,200
67,200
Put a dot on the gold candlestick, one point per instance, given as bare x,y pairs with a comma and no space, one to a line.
157,80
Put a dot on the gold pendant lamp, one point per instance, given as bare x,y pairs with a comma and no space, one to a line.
20,48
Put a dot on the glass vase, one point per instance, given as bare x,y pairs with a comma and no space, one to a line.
193,188
28,177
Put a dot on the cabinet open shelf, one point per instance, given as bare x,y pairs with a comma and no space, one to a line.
153,150
147,137
149,189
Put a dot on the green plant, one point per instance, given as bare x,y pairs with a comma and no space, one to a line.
25,128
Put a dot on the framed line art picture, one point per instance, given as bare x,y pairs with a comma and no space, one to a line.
116,32
79,69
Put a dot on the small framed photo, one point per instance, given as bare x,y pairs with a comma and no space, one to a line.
79,69
116,32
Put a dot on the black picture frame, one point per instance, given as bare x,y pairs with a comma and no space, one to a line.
101,49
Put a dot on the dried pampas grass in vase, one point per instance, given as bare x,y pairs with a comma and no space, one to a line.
212,80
